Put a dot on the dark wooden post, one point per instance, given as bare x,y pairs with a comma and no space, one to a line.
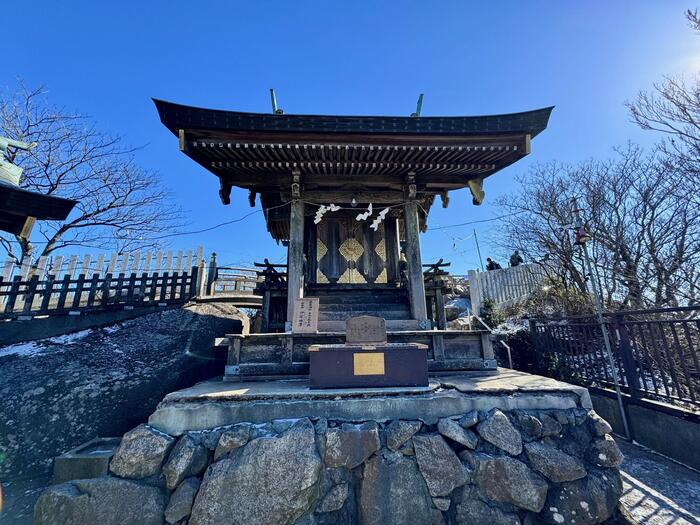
265,327
295,258
211,275
440,306
414,264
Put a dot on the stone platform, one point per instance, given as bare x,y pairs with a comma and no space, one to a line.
215,403
503,448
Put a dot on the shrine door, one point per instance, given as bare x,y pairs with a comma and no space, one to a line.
350,252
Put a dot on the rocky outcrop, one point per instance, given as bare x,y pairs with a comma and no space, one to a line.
321,472
270,480
107,501
141,453
60,392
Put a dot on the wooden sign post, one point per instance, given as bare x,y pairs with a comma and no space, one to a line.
305,320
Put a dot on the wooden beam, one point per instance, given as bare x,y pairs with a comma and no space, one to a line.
419,308
337,197
295,258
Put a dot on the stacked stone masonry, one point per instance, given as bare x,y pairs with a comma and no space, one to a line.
518,467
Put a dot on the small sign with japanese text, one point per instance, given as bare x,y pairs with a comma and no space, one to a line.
305,315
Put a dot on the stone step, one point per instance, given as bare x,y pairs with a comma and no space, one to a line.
403,313
361,297
391,324
378,307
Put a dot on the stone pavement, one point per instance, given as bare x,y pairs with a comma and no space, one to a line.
658,491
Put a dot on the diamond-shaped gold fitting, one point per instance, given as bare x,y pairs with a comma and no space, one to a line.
321,249
351,249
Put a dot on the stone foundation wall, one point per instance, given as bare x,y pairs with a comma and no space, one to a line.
557,466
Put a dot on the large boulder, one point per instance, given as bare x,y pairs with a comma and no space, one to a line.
393,492
232,439
141,453
398,432
586,501
469,419
188,458
530,427
472,510
180,504
550,426
452,430
509,480
106,500
599,426
438,464
334,499
269,480
605,452
553,463
350,445
499,431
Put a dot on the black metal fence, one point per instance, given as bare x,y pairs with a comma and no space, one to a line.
655,352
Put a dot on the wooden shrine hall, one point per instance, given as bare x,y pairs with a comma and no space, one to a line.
349,196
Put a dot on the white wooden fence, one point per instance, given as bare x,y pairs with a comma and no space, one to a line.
116,263
62,284
506,286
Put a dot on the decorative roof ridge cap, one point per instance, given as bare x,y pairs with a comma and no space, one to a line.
161,103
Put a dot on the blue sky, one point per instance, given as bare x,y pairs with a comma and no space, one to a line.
107,59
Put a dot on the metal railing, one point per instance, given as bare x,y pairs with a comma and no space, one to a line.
656,352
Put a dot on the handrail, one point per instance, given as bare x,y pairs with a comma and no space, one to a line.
507,347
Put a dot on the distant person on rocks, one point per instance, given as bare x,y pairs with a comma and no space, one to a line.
492,265
515,259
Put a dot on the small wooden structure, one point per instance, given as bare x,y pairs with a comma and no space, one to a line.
349,197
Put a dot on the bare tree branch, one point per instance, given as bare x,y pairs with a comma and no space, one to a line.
120,205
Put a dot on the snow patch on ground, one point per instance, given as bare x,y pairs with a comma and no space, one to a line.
34,348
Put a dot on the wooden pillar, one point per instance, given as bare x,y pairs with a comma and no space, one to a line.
295,259
419,308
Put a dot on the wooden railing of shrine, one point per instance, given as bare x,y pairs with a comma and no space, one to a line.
73,285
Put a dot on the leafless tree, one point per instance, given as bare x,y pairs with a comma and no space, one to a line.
646,231
672,108
120,205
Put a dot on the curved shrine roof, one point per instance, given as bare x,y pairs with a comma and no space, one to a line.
178,116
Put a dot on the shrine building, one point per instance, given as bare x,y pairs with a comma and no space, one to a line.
316,177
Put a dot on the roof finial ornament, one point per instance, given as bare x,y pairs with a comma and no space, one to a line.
273,98
419,106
